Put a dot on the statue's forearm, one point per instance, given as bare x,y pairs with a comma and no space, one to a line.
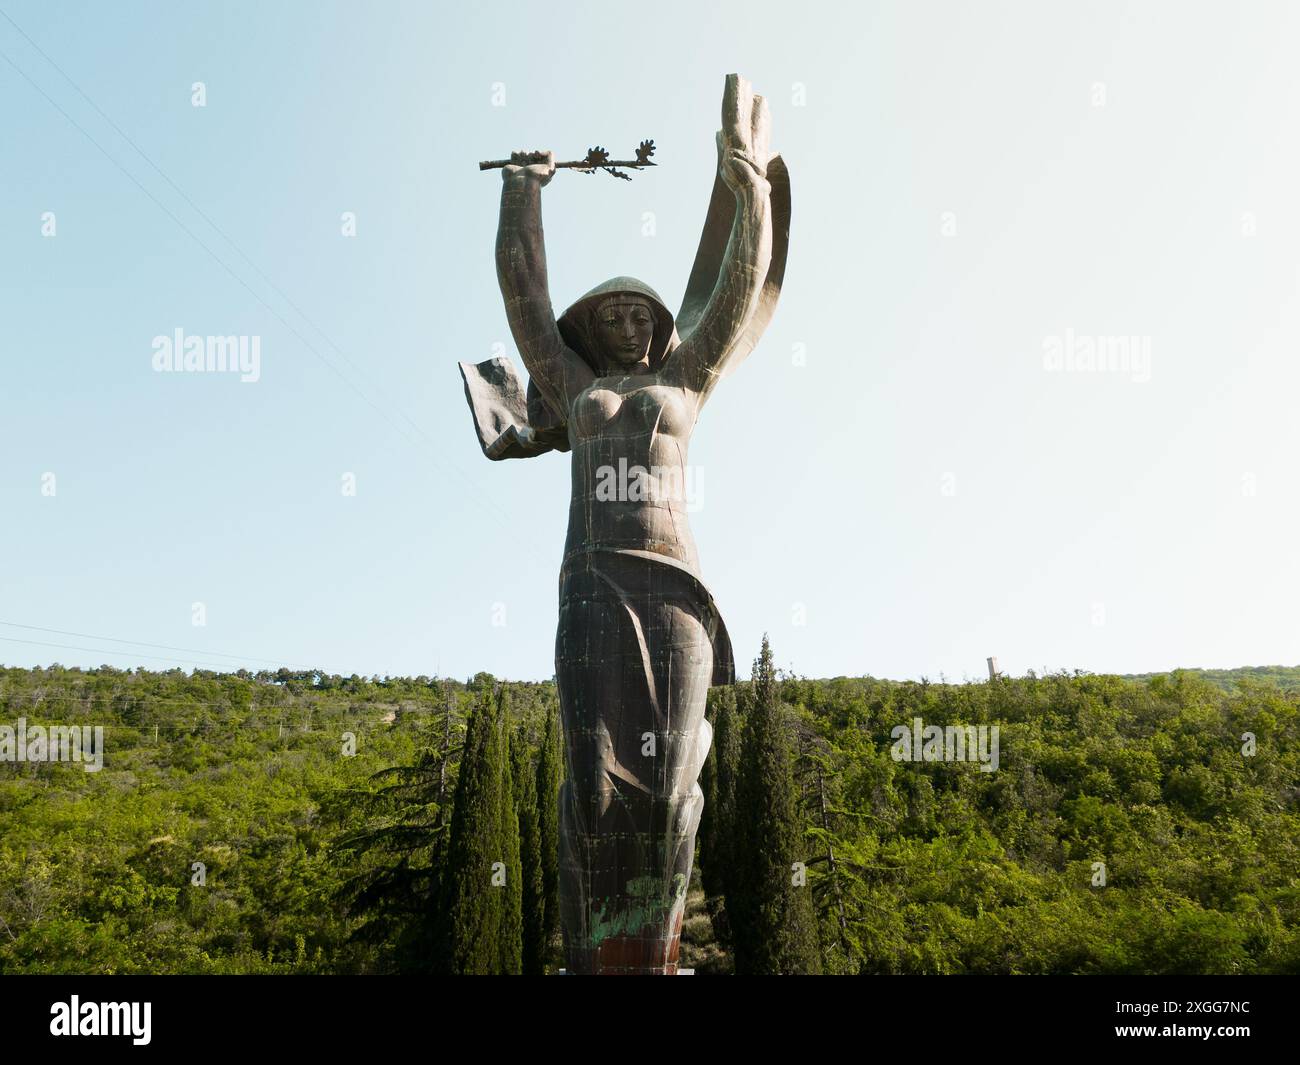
521,272
521,250
744,269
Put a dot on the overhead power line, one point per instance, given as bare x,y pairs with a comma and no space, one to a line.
145,643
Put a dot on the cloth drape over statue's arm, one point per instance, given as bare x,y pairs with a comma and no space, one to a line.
517,422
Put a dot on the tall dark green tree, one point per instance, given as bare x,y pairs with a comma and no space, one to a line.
479,914
549,774
718,823
530,854
773,924
398,851
510,882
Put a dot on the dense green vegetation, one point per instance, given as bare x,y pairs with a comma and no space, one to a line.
937,867
1285,677
314,861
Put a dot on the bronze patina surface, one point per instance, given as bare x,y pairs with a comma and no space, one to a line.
620,383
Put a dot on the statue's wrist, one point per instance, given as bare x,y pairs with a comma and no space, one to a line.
521,193
521,179
752,189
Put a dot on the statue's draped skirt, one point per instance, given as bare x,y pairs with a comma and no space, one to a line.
639,642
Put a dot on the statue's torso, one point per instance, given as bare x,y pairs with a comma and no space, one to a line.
629,437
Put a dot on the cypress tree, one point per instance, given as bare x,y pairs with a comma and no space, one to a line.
530,854
774,927
549,770
472,906
706,838
718,823
482,915
510,935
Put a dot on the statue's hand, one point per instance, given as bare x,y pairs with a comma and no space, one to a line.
744,140
533,166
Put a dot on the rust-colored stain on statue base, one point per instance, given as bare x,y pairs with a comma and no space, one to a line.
633,955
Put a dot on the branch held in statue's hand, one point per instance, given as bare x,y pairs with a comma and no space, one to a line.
543,164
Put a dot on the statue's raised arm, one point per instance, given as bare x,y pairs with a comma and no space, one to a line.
521,272
740,263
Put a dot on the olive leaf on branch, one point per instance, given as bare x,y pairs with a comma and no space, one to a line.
598,159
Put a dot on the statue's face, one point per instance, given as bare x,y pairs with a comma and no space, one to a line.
625,328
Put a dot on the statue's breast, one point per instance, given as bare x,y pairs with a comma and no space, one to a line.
606,407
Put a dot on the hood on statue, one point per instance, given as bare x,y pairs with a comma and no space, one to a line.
517,422
577,324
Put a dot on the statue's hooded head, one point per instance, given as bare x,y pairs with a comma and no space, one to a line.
618,326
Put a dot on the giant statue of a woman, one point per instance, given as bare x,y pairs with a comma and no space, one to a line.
619,383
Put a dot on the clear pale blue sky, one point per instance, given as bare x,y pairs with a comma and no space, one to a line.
922,486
